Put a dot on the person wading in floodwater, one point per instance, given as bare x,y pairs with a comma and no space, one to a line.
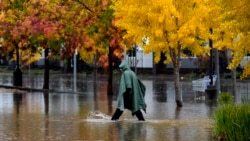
131,94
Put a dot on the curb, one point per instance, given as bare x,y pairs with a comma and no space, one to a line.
37,90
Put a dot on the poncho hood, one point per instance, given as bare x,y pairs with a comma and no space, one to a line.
124,66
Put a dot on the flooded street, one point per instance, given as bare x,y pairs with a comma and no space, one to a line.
78,112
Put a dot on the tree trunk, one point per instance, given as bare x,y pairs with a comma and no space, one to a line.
154,65
69,69
233,74
176,60
217,71
17,74
46,70
95,75
110,72
178,95
176,63
176,57
234,84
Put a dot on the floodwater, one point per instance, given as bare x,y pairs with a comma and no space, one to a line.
78,112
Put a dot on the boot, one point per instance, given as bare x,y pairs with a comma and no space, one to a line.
117,114
139,115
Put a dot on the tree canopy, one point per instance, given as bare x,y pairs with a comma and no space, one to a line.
61,26
166,24
236,22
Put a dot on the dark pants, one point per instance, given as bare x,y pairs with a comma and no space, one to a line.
118,113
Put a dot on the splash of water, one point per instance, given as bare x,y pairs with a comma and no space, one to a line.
98,115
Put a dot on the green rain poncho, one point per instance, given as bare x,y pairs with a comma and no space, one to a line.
134,100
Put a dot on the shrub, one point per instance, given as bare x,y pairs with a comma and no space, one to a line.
232,122
225,98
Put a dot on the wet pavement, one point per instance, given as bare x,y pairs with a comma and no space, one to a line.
78,112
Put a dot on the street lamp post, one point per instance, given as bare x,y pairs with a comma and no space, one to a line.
211,91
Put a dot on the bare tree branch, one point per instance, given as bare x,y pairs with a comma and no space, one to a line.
84,5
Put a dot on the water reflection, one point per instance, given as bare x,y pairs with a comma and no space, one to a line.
17,100
132,131
62,116
46,102
176,130
160,91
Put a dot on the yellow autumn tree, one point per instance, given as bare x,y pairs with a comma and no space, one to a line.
170,26
236,22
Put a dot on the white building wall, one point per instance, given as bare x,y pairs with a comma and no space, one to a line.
141,60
